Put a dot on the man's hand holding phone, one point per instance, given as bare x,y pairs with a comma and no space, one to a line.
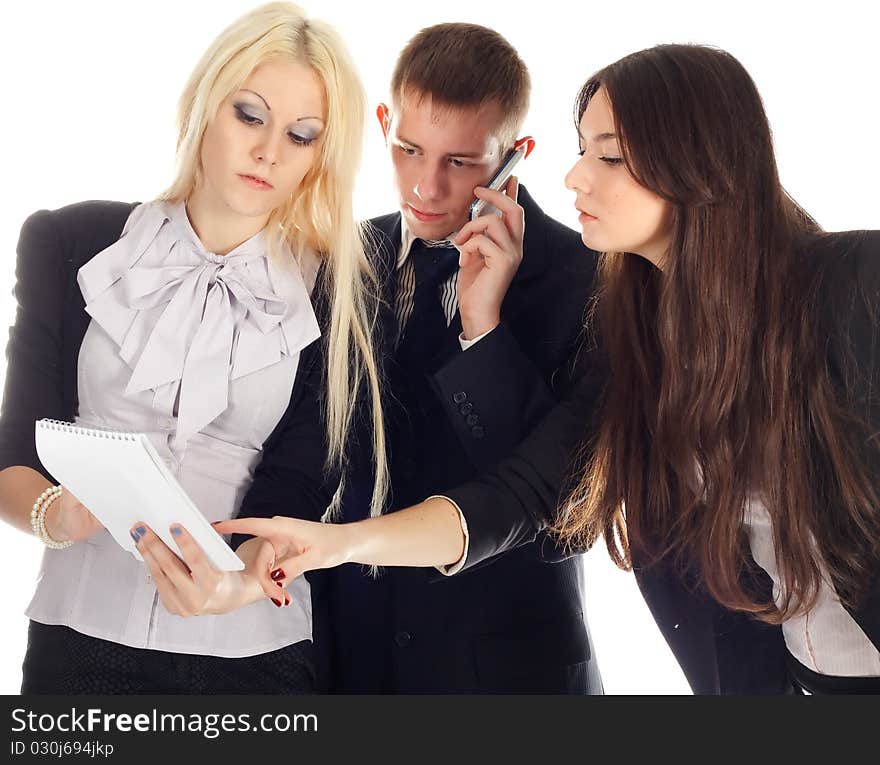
491,251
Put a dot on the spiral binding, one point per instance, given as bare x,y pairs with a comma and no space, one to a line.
69,427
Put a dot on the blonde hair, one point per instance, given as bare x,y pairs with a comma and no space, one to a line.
319,215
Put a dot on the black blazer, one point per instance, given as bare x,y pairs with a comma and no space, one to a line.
44,343
517,626
719,651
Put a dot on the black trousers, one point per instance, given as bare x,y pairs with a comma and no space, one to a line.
60,660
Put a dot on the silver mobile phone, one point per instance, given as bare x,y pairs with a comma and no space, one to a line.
480,206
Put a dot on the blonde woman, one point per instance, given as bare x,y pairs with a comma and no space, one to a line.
230,320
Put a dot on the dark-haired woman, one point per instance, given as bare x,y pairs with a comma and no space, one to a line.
726,453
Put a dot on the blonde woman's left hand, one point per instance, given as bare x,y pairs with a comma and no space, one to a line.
191,586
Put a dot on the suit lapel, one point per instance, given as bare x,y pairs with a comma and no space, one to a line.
535,238
534,261
387,235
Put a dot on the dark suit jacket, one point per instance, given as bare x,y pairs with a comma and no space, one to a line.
516,626
720,651
44,343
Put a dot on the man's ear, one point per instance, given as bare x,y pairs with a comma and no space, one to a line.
383,114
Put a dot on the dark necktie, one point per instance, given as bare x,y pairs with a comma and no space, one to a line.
424,340
421,338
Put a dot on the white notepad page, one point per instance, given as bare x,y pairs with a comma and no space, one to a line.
121,479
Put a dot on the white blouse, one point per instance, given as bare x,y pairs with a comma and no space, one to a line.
826,639
199,352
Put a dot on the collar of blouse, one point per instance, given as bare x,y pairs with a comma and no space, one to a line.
187,321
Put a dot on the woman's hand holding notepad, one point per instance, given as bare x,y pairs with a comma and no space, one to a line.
122,480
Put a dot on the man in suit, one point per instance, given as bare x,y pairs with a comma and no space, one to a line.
477,358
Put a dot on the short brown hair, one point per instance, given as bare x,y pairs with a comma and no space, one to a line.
465,65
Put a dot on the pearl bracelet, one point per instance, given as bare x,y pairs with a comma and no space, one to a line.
38,518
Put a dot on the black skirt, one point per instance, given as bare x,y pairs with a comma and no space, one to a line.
60,660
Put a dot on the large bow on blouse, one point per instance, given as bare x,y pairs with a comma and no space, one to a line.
188,321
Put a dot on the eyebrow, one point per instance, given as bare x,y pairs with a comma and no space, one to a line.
598,136
462,154
301,119
258,96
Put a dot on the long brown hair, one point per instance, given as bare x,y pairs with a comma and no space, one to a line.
719,388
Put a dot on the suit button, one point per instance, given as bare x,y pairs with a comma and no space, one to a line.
467,408
477,432
460,397
472,419
403,638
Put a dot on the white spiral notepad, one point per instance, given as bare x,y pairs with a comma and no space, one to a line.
121,479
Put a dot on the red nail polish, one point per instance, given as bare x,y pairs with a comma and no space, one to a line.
277,574
279,584
276,602
287,599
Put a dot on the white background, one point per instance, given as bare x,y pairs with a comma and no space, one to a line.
89,98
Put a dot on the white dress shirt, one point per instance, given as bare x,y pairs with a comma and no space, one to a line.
826,639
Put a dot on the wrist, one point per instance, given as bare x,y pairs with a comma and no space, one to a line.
53,522
357,544
236,590
474,326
